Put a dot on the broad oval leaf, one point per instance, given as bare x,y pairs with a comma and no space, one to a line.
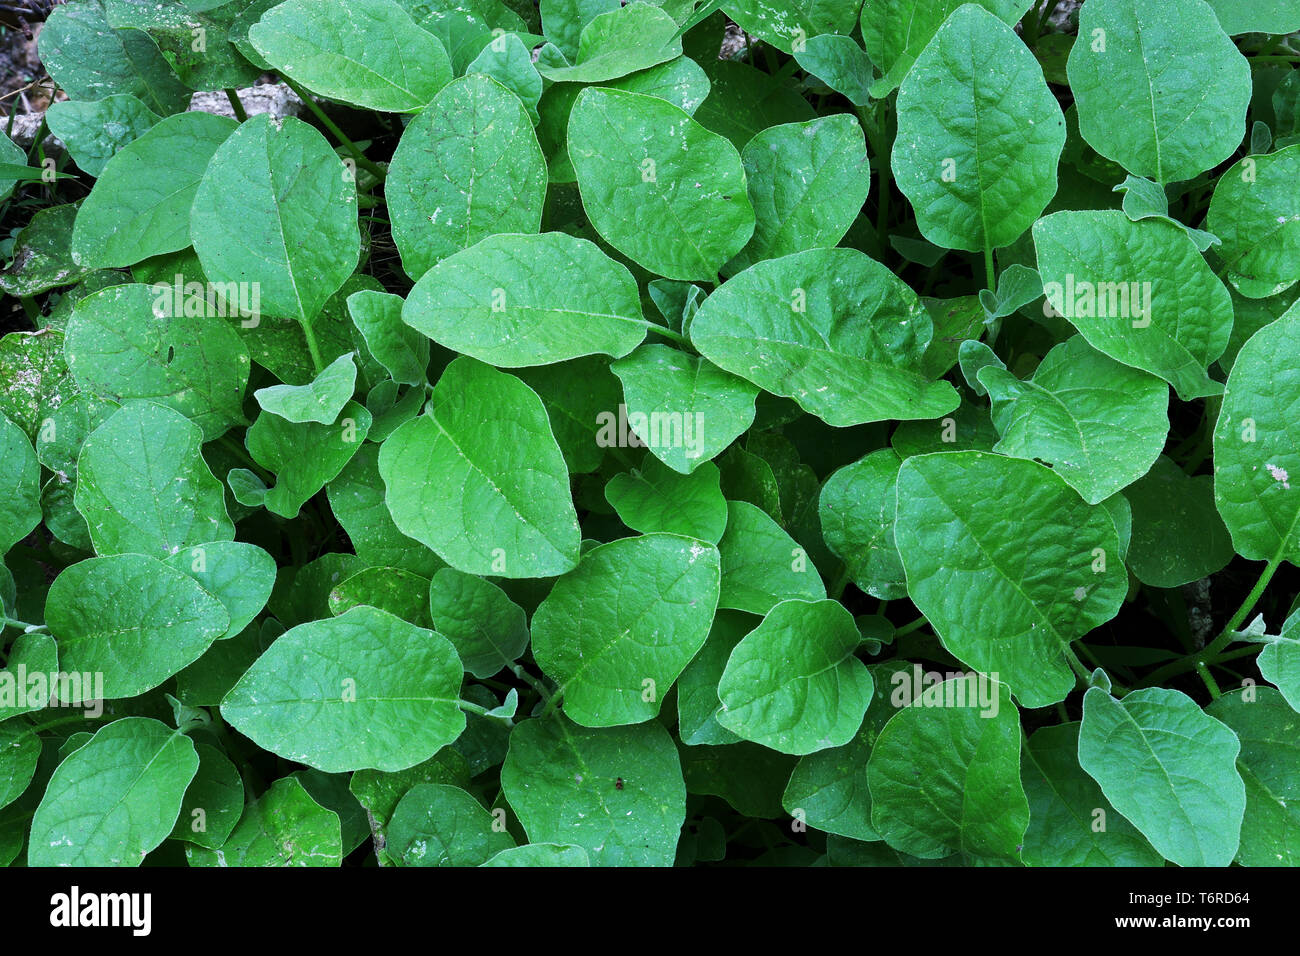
364,689
439,825
519,300
305,456
277,207
979,135
1046,565
1160,87
945,772
369,53
640,162
489,630
614,649
467,167
96,130
402,350
563,782
1257,445
480,480
321,400
832,329
622,41
1169,768
856,508
1257,215
283,827
656,498
1177,536
115,799
238,574
761,564
1139,292
143,486
20,476
132,620
792,684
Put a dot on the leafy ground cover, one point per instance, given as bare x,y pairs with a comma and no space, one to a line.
565,444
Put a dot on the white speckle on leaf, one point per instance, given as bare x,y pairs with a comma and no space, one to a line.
1279,475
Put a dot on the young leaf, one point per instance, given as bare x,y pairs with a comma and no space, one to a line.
856,508
115,799
517,300
761,564
1046,564
1169,768
364,689
617,792
489,630
655,498
945,773
490,496
840,63
832,329
143,486
320,401
793,684
467,167
305,457
438,825
402,351
979,135
283,827
622,41
1160,87
640,161
369,53
1255,212
613,650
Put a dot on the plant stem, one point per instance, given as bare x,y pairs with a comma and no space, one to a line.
240,114
362,160
840,583
908,628
1210,685
240,452
990,275
666,332
313,347
530,680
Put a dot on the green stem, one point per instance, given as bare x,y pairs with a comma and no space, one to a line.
908,628
362,160
26,628
61,722
1210,685
472,708
990,275
313,347
841,582
530,680
666,332
240,114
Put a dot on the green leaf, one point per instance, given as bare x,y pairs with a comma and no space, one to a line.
42,254
402,351
787,24
1046,565
979,135
1139,292
115,799
438,825
395,590
1256,442
320,400
563,20
615,651
761,564
364,689
213,803
829,789
238,574
278,207
20,749
1256,16
1269,765
37,380
743,101
697,688
655,498
663,387
840,63
1169,768
192,36
1099,424
143,486
563,782
1160,88
508,61
467,167
356,497
140,205
35,653
130,341
1255,212
1178,537
1070,822
641,161
95,131
488,629
832,329
132,620
807,183
368,53
489,496
856,508
283,827
518,300
20,476
747,776
1144,199
541,855
90,60
895,33
622,41
379,792
945,772
304,457
793,684
1279,662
